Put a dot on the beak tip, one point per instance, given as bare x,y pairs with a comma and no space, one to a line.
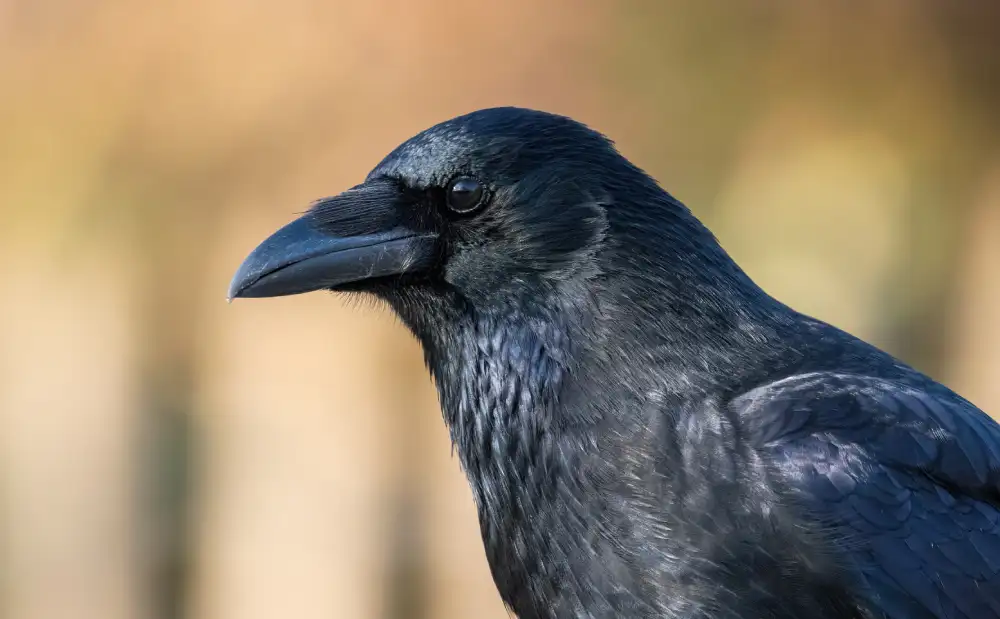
238,285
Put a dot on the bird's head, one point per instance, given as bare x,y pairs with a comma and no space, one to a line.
497,209
489,205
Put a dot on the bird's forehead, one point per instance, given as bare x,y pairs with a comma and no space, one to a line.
485,142
429,158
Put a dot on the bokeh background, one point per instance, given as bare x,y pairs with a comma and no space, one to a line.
166,455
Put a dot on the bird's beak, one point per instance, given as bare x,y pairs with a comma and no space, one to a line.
358,235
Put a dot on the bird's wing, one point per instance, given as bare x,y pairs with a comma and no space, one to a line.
911,476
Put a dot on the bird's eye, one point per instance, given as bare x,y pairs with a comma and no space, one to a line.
465,195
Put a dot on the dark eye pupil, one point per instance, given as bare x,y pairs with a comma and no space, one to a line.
464,195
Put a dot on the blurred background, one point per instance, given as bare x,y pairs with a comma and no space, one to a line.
166,455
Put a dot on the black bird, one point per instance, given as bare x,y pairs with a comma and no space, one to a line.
646,432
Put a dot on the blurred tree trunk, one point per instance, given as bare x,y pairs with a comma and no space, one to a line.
68,430
975,365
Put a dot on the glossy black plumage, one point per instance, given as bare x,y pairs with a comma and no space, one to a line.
646,432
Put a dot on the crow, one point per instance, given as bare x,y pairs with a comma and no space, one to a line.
646,432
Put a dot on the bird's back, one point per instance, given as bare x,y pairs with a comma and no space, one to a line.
905,475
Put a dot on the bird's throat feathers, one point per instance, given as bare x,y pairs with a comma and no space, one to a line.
499,376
